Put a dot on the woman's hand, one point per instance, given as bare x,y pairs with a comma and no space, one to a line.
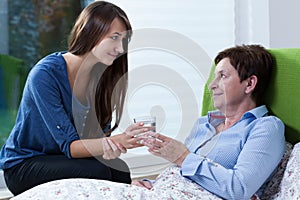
130,138
140,183
166,147
111,150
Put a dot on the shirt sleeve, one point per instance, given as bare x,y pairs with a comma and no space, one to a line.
47,96
257,160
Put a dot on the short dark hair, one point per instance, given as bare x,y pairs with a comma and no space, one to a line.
250,60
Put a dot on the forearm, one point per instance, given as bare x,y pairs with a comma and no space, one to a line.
86,148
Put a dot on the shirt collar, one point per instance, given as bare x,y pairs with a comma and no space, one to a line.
216,115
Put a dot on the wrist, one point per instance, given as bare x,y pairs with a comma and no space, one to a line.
180,160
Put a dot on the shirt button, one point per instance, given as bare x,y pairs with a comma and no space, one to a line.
87,111
58,127
83,124
85,117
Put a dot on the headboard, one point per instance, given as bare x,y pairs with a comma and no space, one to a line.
283,94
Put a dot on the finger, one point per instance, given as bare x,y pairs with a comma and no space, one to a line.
112,145
148,142
130,142
135,126
131,146
150,134
137,183
105,149
134,182
105,145
135,141
162,137
116,151
139,131
144,184
110,152
147,184
151,146
155,142
121,148
156,153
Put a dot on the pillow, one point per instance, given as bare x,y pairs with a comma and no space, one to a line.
273,186
290,184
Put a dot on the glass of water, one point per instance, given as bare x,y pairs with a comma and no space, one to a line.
149,121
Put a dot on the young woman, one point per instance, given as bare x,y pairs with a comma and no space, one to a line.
65,115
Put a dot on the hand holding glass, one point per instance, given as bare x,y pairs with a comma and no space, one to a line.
149,122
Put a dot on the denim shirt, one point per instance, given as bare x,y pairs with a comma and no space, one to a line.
236,162
44,123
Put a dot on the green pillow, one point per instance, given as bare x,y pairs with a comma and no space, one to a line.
283,94
14,73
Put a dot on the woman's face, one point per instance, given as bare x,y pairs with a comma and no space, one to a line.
111,46
227,89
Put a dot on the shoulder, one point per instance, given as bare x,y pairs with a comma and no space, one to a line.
270,122
51,64
54,61
262,118
269,127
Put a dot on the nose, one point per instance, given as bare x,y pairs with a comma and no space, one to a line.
212,84
119,48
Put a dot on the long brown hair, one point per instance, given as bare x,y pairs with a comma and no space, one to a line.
95,20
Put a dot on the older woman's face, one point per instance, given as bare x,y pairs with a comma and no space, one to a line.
111,46
227,89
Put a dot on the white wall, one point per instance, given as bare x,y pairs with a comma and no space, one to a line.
284,24
272,23
252,22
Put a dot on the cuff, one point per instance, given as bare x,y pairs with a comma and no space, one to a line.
191,164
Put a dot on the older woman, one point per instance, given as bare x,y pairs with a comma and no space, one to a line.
232,151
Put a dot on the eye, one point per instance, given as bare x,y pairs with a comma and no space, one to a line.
222,76
115,37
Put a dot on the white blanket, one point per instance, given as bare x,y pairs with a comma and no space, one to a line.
169,185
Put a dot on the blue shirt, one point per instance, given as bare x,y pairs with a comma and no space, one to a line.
234,163
44,123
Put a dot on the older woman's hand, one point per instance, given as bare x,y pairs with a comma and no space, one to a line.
142,183
166,147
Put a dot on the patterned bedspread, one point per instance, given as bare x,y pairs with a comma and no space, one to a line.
285,185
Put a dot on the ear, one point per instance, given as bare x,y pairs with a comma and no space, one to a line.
251,83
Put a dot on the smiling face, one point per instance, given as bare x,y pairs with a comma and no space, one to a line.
227,89
111,45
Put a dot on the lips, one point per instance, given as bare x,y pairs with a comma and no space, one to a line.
113,55
217,94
